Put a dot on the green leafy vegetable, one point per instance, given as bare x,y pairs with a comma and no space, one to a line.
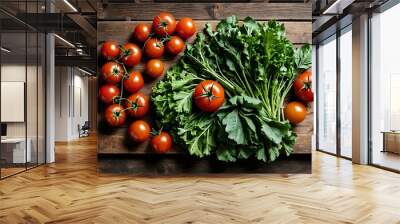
256,64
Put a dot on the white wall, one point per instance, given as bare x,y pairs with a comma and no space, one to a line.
16,73
71,102
33,127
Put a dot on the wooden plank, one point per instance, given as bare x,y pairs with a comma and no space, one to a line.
297,32
207,11
185,164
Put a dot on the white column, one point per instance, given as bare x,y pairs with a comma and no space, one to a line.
360,90
50,94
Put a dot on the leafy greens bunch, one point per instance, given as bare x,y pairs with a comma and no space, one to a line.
256,64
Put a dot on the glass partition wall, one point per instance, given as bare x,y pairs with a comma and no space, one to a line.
385,89
326,96
22,88
334,94
345,92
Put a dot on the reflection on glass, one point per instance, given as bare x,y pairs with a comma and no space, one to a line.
327,96
346,93
22,89
14,153
385,84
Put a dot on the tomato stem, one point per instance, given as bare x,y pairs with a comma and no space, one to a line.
122,80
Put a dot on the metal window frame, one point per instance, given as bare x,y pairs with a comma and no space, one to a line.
44,72
381,9
339,32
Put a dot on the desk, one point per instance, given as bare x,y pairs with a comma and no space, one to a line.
391,141
17,146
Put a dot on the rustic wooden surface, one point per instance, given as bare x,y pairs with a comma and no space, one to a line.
183,164
298,27
208,11
73,191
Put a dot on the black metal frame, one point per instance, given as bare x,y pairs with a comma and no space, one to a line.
389,4
36,164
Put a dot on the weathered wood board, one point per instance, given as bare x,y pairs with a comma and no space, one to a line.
115,141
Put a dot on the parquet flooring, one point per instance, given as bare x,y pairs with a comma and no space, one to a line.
71,191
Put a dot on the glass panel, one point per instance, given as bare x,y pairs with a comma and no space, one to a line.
385,84
41,98
346,93
31,87
13,88
327,96
31,98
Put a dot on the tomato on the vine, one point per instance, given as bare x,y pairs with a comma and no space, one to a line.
139,131
112,72
209,95
175,45
164,24
162,142
134,82
137,105
154,68
153,48
131,54
142,32
185,28
115,115
108,92
110,49
302,87
295,112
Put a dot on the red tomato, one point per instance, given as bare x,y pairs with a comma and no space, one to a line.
175,45
164,24
185,28
139,131
154,48
134,82
142,32
209,95
154,68
162,142
131,54
137,105
112,72
115,115
295,112
302,87
108,93
110,49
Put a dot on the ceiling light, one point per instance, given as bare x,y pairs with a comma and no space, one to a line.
338,6
84,71
5,50
64,40
70,5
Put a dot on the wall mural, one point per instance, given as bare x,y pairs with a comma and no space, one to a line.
180,95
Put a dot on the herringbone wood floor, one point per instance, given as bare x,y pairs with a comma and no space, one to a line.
71,191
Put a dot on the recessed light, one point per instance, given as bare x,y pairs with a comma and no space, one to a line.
84,71
70,5
5,50
64,40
